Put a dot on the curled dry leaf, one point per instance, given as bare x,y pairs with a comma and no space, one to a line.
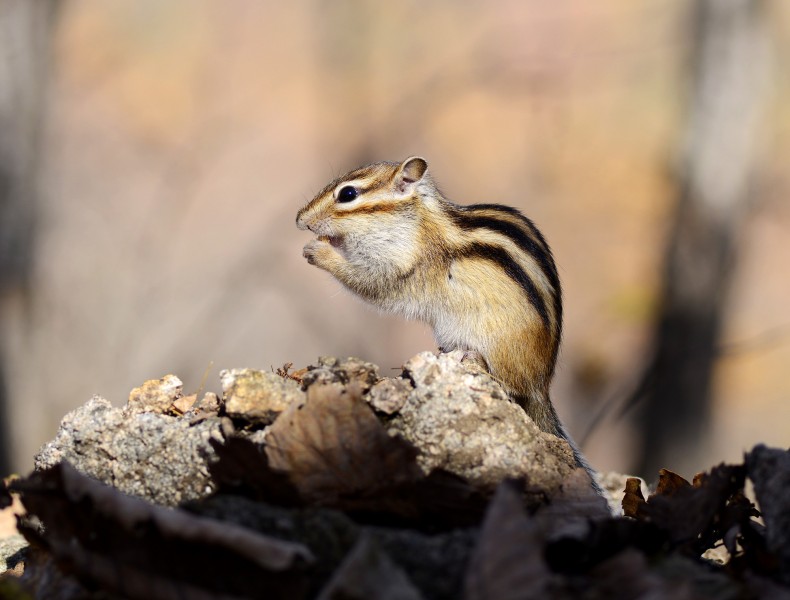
669,482
691,514
633,500
132,548
334,448
696,518
331,451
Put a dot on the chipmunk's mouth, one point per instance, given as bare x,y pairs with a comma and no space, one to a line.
335,240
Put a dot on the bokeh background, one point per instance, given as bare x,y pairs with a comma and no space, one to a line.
155,155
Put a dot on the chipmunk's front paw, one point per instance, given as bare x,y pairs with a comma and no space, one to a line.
318,252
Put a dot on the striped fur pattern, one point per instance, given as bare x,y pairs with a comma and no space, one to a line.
482,276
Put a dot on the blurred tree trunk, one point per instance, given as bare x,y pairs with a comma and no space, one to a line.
729,73
25,38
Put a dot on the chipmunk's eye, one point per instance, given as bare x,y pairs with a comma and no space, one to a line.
347,194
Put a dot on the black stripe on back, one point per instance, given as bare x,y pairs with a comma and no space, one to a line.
535,247
502,258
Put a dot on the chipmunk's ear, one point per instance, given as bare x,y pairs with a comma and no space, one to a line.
410,172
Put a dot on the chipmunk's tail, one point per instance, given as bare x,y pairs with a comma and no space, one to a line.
542,412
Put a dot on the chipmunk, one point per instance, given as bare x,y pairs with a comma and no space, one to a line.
482,276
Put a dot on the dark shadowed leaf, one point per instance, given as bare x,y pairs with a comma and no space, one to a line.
368,573
569,511
769,469
243,468
333,447
689,513
5,496
337,454
508,562
138,550
628,575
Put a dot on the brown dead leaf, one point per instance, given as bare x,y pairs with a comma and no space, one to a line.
134,549
693,515
334,449
285,373
633,500
628,575
508,561
242,468
572,507
367,573
769,469
669,482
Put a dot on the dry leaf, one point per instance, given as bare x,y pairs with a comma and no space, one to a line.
368,573
135,549
570,510
669,482
334,448
769,469
508,560
242,468
633,500
628,575
333,452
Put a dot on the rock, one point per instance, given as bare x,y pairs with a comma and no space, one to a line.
389,395
12,553
184,404
158,457
456,415
209,403
343,372
155,395
461,420
257,396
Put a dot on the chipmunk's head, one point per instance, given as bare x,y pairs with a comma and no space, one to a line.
376,204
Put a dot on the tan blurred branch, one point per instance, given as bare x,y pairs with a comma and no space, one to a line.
728,92
25,32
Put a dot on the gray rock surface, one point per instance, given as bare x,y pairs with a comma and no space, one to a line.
156,395
458,417
158,457
461,420
12,550
342,372
257,396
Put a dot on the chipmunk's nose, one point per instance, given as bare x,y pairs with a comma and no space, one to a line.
301,221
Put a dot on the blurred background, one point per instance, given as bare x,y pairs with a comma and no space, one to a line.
153,156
